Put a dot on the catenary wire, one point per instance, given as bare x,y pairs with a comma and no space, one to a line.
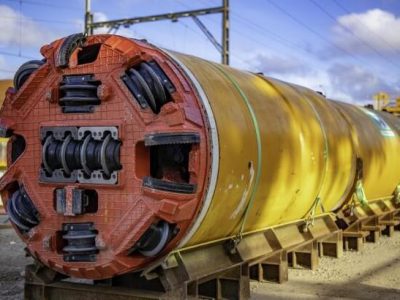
394,48
377,52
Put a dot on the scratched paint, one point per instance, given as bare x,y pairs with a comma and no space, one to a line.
243,200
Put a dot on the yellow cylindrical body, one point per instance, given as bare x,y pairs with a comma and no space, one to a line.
202,153
4,85
284,150
392,120
376,142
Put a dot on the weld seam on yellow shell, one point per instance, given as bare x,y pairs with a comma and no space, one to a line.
214,152
311,212
259,147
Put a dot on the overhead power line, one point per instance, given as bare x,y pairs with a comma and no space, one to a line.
46,4
263,30
365,43
7,71
16,55
394,48
316,33
273,35
39,20
284,41
126,22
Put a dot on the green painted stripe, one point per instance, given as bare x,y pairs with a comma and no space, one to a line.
259,147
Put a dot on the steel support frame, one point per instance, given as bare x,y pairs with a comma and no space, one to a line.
209,271
369,222
126,22
214,272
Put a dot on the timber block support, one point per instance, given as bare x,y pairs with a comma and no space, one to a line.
218,271
305,256
233,284
389,222
212,271
375,231
332,246
396,217
354,242
273,269
5,226
368,223
354,236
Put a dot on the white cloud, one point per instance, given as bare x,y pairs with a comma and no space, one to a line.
4,69
79,25
377,28
102,17
294,70
17,29
271,64
99,16
2,62
340,81
359,83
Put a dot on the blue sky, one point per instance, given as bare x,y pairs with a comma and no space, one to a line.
349,49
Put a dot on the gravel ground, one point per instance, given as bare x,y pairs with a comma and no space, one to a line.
12,264
373,273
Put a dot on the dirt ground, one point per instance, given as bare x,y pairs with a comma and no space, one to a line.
373,273
12,264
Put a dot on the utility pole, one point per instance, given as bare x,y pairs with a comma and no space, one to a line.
223,48
88,18
225,33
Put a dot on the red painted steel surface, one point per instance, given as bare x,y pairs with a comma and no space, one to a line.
126,209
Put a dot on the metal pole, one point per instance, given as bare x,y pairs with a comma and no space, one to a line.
88,18
225,32
208,34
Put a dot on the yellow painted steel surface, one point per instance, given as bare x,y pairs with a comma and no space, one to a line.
377,143
302,158
4,84
393,121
